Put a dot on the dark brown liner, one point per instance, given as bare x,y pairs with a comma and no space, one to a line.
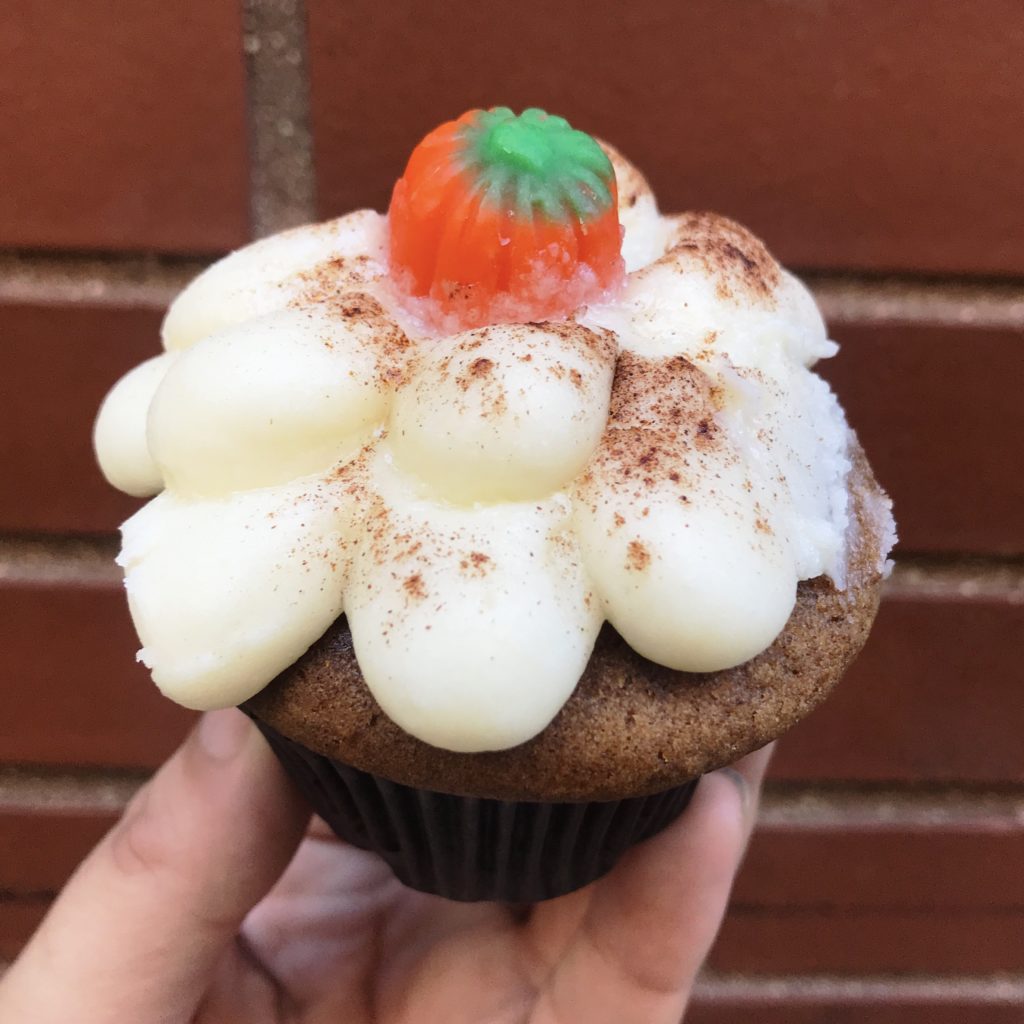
470,848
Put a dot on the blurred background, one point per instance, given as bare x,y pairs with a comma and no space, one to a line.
877,147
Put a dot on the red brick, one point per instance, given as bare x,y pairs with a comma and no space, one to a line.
851,941
957,866
939,412
873,136
123,125
934,696
73,692
39,849
58,363
19,918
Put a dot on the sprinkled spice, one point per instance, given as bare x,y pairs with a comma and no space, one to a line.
637,556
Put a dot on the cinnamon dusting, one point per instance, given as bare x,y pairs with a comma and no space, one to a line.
638,557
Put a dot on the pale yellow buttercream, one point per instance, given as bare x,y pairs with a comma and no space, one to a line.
477,503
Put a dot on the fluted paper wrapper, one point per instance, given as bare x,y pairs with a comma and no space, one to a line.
469,848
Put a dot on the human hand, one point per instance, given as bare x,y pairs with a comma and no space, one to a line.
189,911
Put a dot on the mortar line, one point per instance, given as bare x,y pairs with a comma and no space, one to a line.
89,561
963,578
899,299
149,281
36,788
112,279
70,561
807,807
282,183
762,990
65,790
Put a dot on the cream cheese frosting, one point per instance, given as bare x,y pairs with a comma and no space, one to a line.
476,503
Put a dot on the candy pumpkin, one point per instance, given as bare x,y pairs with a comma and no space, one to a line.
500,217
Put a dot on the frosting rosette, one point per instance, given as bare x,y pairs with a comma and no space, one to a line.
476,498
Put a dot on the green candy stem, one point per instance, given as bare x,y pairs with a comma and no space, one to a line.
537,163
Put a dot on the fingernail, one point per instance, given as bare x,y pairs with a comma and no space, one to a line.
739,780
222,734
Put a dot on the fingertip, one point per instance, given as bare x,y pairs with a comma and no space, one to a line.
230,764
716,824
754,766
221,735
731,795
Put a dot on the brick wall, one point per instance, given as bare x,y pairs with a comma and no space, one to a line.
877,147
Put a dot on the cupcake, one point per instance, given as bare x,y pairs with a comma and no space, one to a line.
505,515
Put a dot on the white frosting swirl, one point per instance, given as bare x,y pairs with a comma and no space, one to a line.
478,503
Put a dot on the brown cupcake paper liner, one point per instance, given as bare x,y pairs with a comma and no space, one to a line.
470,848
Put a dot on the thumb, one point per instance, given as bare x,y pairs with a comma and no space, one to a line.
651,922
139,930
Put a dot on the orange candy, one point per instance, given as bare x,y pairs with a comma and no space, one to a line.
504,218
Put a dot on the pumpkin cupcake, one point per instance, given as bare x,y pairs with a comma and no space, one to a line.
505,515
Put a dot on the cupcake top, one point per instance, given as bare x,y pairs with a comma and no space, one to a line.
478,427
